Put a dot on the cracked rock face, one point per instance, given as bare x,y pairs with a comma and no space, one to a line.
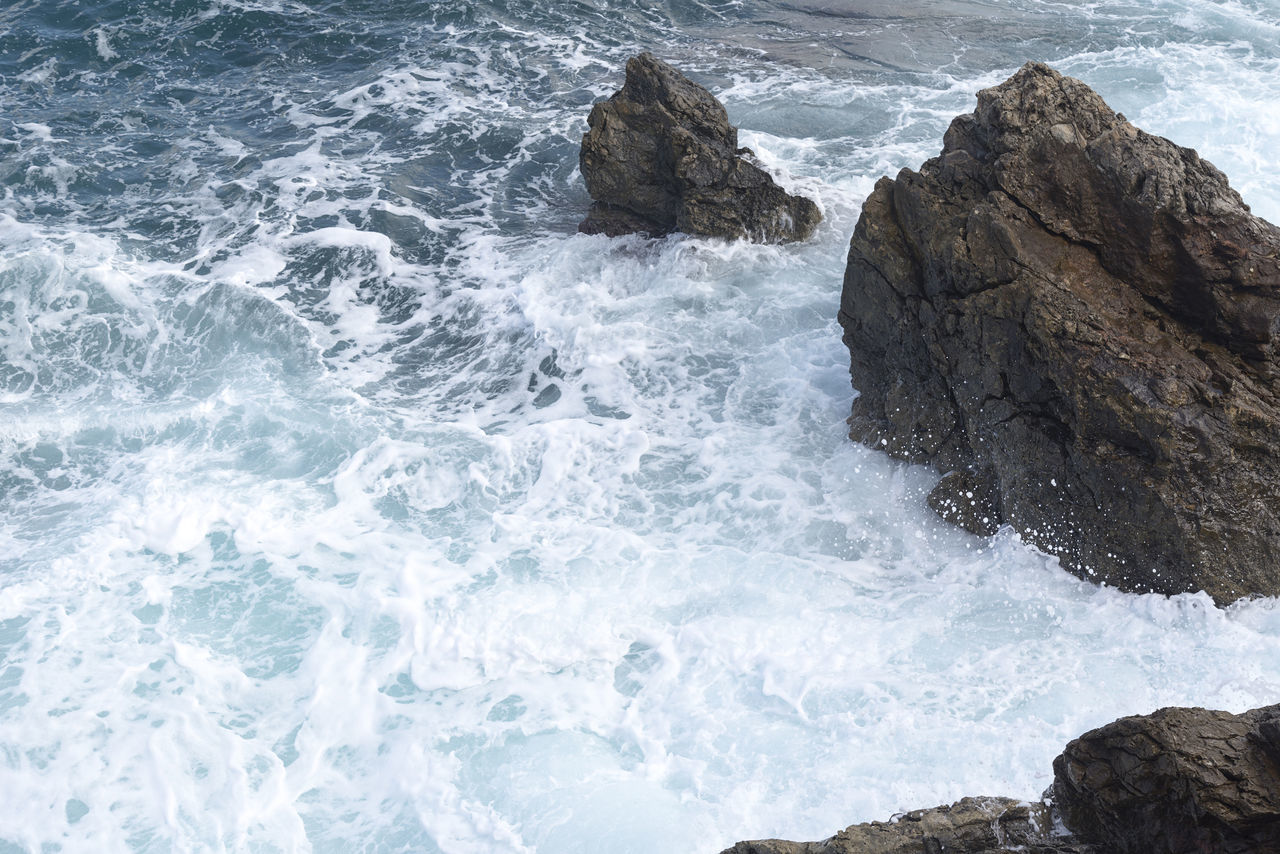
1175,782
661,156
1080,319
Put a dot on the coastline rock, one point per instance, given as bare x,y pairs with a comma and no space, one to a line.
1178,781
661,156
1080,320
1174,782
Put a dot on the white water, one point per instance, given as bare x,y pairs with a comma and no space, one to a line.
301,551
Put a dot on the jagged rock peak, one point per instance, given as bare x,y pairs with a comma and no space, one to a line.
661,156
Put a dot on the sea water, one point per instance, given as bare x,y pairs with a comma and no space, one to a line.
351,501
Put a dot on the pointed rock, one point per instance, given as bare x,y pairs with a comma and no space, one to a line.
661,156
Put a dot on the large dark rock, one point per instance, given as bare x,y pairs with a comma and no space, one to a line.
661,156
969,826
1180,781
1081,319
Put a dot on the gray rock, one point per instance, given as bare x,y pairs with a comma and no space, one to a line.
1083,318
661,156
1180,781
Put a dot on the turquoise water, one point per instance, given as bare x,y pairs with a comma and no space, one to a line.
351,501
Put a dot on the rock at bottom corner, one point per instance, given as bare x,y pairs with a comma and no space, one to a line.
969,826
1177,781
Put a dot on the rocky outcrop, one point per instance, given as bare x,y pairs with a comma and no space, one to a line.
969,826
1175,782
661,156
1079,320
1179,781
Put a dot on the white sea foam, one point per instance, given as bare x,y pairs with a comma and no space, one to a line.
379,508
102,44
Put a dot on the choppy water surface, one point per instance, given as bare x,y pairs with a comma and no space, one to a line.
352,501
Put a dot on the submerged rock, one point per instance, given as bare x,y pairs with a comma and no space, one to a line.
1179,781
1081,320
661,156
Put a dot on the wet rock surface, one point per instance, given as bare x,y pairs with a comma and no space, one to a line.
1081,319
661,156
969,500
1178,781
